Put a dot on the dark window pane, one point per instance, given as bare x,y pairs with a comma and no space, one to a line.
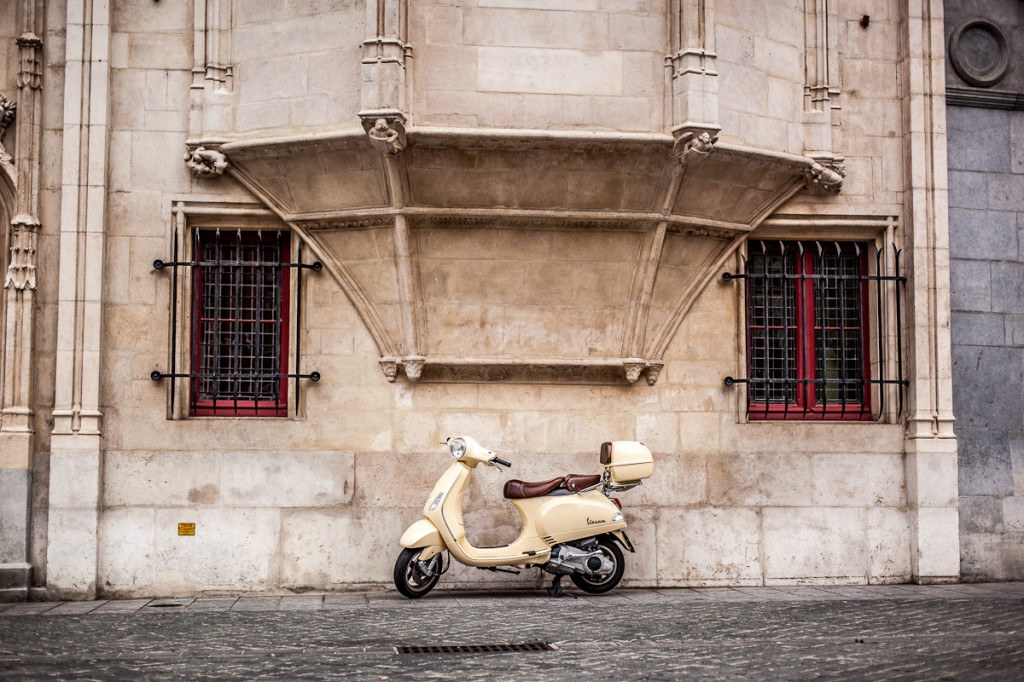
805,328
240,295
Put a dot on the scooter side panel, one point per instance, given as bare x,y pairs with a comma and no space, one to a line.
571,517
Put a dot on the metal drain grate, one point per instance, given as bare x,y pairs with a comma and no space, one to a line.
475,648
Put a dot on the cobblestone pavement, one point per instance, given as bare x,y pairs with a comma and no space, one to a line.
973,632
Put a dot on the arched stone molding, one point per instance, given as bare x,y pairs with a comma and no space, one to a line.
428,231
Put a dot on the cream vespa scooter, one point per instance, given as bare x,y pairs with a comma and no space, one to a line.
570,525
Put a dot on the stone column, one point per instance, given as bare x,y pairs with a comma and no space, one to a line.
692,65
76,447
385,52
210,95
931,449
16,414
821,66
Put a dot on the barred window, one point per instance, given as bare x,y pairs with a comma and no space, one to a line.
240,323
807,331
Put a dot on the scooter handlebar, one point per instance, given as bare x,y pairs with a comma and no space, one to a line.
498,460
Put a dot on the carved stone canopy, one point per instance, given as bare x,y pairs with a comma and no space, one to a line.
477,255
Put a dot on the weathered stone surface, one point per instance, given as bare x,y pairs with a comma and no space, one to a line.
997,232
991,131
532,213
888,528
989,387
971,290
715,546
981,514
15,489
984,462
822,543
330,547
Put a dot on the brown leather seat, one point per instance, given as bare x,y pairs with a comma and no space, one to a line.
577,482
520,490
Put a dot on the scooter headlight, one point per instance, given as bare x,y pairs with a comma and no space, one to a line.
457,447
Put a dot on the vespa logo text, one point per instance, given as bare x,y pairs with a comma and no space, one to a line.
592,522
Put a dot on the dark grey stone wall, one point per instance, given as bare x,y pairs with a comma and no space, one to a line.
985,127
986,224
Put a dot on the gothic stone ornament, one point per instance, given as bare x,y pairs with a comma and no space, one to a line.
633,366
386,130
30,71
21,273
205,162
694,146
7,111
827,178
413,365
979,52
654,371
390,368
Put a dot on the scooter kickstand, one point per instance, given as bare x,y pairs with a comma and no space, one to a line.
556,588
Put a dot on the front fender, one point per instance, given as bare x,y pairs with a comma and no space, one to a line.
421,534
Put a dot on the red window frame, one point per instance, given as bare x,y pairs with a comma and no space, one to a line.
784,382
237,372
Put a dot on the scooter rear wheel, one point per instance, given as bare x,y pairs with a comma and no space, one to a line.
409,579
607,582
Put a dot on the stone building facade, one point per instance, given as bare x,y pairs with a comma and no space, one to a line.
266,255
986,208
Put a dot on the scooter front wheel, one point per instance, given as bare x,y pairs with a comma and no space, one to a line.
608,580
414,578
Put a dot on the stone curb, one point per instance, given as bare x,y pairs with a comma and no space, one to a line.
357,600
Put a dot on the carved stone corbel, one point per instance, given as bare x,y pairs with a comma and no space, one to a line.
413,366
205,162
825,178
692,146
654,368
633,367
386,130
390,368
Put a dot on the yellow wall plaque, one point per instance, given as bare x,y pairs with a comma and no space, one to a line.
186,529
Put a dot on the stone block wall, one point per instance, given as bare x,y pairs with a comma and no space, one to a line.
319,500
986,232
589,65
986,199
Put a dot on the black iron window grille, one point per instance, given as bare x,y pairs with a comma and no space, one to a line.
808,305
239,317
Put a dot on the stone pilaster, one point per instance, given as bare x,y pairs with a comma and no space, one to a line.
931,448
692,65
385,52
211,99
76,455
821,69
16,409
